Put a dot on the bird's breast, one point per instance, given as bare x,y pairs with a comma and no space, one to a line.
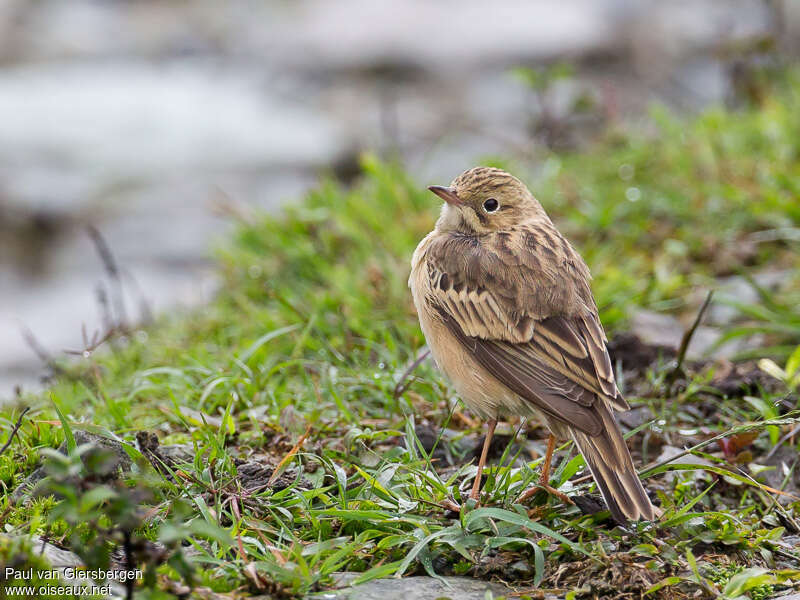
479,390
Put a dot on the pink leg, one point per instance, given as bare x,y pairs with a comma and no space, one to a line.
544,477
476,487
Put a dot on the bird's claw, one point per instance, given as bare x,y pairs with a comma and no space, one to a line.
453,506
547,488
450,505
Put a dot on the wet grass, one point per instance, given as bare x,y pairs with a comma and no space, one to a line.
311,447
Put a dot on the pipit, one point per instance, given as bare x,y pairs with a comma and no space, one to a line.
506,308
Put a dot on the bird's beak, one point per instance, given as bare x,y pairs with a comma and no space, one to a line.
447,194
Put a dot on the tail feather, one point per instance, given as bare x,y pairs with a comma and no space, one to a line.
611,465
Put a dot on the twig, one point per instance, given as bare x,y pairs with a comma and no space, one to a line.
402,386
780,442
94,344
113,271
687,336
40,350
716,438
14,431
446,505
105,310
289,456
775,505
686,339
145,309
288,304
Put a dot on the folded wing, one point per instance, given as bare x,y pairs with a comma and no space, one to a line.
528,317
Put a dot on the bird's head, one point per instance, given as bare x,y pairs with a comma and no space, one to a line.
485,200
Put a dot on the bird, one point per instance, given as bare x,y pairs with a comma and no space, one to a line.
505,305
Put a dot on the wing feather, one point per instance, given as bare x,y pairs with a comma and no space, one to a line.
548,390
527,317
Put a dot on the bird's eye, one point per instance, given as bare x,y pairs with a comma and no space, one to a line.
490,205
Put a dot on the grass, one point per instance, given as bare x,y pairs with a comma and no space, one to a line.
312,448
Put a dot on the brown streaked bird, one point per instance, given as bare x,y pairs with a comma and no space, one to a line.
506,308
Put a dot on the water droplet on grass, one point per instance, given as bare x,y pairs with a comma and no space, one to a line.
626,172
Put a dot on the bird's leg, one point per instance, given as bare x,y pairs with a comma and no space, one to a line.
544,477
476,487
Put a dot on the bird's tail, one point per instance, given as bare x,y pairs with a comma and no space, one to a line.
611,465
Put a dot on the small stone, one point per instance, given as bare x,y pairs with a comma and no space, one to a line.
739,289
635,417
522,569
61,560
657,329
673,454
119,464
418,588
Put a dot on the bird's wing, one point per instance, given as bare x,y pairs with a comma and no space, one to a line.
520,303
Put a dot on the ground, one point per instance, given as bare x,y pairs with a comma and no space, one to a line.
292,430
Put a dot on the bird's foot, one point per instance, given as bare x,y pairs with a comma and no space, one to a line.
546,488
450,505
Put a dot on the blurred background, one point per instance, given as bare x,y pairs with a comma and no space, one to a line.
131,131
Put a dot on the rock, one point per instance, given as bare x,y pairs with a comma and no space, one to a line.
675,453
739,289
68,565
634,354
521,569
635,417
429,438
255,476
119,464
163,458
740,379
589,504
343,579
418,588
657,329
704,344
178,453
